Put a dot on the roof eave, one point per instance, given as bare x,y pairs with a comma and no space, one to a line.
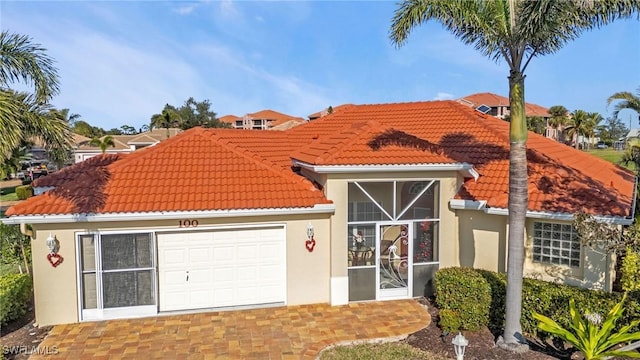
166,215
465,168
458,204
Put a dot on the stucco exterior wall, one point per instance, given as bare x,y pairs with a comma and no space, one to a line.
56,289
483,240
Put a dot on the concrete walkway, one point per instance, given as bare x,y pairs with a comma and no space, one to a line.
292,332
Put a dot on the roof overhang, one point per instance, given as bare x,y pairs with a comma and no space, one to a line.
166,215
459,204
466,169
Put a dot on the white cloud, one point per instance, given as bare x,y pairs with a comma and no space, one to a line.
185,10
443,96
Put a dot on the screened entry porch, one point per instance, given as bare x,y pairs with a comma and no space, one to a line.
393,235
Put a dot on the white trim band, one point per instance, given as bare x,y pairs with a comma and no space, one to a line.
167,215
465,168
459,204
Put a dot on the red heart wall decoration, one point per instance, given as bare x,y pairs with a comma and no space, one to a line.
55,259
310,244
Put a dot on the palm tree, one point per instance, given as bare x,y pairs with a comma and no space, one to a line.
25,115
515,31
558,119
103,143
169,118
583,124
626,101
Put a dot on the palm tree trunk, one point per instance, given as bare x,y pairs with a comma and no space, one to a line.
518,201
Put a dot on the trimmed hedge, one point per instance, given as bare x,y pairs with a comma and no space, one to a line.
24,192
546,298
15,293
463,297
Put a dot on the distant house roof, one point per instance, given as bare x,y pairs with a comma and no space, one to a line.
224,169
124,142
633,133
275,119
494,100
319,114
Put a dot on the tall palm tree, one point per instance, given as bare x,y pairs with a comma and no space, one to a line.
626,100
515,31
24,115
169,118
103,143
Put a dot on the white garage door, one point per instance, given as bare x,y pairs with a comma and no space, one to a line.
221,268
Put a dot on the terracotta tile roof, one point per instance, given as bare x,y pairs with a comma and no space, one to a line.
210,169
494,100
229,119
562,179
190,172
325,112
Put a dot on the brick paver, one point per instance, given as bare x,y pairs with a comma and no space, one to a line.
288,332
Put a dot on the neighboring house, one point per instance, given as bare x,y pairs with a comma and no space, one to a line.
263,120
123,144
359,205
633,137
498,106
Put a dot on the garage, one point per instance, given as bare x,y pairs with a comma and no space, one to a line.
221,268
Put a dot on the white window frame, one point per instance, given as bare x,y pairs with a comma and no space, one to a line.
101,313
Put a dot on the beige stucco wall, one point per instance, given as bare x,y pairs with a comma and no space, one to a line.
483,245
56,289
483,240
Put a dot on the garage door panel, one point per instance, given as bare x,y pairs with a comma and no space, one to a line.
226,268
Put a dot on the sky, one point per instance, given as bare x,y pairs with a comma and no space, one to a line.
120,62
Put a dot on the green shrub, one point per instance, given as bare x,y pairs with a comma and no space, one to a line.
15,293
467,293
24,192
552,300
631,270
449,320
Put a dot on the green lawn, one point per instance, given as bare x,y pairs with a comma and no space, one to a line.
8,194
610,155
388,351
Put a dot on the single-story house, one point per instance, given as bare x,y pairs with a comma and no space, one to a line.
122,144
362,204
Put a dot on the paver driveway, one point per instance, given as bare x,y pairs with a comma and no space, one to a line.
291,332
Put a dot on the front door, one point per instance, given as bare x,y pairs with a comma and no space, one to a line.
393,261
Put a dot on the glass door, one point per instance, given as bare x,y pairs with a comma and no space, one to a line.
393,260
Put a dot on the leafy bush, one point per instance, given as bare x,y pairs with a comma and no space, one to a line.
449,320
631,270
15,293
466,293
24,192
552,300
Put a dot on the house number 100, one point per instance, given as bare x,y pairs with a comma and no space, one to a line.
188,223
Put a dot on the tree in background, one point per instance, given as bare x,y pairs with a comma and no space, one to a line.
559,118
537,124
583,124
613,130
103,143
515,31
83,128
625,100
127,130
195,113
191,114
168,118
25,115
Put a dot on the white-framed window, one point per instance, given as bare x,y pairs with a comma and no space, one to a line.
117,275
365,211
556,244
